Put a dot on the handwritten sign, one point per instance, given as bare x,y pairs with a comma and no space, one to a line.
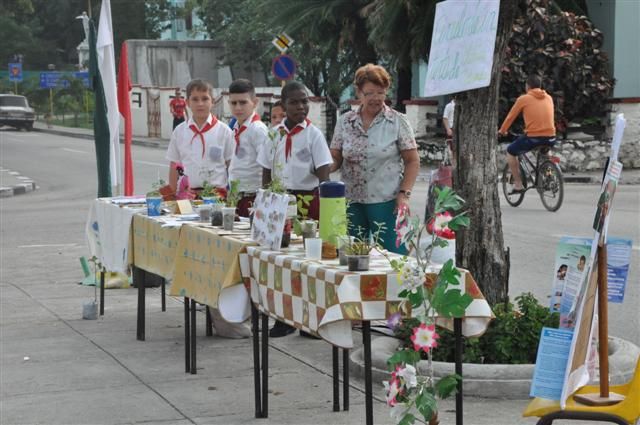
462,45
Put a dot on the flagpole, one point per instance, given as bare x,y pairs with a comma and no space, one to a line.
89,7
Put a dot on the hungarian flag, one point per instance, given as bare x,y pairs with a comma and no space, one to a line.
124,106
107,66
100,122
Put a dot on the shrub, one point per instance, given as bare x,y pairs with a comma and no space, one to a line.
566,50
511,338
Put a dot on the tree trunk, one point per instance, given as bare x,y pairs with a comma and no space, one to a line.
480,248
403,91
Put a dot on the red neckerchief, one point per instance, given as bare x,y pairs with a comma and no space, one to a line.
208,126
297,129
242,128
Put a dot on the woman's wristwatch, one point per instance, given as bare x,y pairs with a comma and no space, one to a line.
406,193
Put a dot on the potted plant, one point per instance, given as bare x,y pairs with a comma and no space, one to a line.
305,227
359,248
154,198
412,391
231,201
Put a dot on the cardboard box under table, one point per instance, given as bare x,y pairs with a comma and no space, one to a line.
207,271
323,298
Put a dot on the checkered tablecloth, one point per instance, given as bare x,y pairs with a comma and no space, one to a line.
207,270
323,297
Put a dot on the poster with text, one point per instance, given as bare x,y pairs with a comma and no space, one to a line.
618,261
571,260
462,45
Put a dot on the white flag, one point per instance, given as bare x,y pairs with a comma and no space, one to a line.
107,66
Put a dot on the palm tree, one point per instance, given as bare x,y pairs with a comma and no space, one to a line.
401,29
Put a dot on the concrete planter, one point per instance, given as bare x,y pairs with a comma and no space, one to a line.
491,380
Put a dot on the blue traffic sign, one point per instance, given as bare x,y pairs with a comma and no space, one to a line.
15,72
283,67
54,80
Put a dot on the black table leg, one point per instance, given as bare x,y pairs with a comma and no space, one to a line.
139,277
163,295
187,337
208,323
102,273
256,360
265,366
336,380
345,379
193,337
368,389
457,330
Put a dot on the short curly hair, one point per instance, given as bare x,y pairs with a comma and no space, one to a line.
371,73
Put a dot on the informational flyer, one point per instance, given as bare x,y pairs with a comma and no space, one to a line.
269,218
551,363
618,260
572,258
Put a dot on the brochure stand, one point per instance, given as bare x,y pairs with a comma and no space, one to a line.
604,398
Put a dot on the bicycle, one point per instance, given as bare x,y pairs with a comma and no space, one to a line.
541,172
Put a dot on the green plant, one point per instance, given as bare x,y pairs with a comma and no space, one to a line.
303,202
209,191
407,392
233,195
363,244
155,188
511,338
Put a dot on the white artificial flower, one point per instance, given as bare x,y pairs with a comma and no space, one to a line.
408,375
411,276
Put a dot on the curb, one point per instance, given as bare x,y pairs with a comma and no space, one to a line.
27,185
499,381
137,142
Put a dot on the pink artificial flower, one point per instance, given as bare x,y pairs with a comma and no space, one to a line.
402,227
441,227
393,389
424,337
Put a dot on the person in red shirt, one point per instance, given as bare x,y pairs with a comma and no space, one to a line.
178,107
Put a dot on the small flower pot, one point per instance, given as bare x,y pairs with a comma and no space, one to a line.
228,217
216,215
309,228
358,263
205,212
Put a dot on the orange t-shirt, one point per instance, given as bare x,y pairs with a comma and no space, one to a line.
537,109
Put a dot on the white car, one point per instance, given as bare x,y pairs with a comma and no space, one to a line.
15,112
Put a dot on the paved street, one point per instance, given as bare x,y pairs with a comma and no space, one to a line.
57,368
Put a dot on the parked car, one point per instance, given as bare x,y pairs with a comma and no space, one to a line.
15,112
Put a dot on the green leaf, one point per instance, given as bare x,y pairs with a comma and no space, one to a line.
449,273
452,304
426,405
461,220
406,356
416,298
447,385
407,419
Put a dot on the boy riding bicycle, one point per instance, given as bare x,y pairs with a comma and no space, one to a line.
539,128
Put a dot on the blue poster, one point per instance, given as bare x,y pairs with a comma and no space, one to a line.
551,362
618,259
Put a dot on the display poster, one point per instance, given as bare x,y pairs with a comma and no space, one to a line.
269,218
551,363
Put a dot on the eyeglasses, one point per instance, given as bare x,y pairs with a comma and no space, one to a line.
374,95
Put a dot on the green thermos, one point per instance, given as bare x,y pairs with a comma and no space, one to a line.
333,211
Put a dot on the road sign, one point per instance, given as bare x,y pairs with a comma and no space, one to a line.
15,72
282,42
283,67
54,80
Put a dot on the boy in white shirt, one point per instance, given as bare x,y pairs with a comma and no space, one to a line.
298,154
250,133
202,144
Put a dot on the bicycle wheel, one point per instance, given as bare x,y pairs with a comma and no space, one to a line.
507,186
550,185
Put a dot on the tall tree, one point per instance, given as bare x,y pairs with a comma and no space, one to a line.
480,248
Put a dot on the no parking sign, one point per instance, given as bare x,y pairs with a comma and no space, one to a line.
283,67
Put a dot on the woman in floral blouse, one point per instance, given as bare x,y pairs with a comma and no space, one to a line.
375,149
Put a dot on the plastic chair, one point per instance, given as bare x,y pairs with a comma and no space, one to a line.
627,412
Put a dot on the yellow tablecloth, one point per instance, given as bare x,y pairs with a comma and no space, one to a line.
154,246
208,271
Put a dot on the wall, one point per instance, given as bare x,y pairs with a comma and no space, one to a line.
627,49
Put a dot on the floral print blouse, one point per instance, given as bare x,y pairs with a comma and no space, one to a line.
372,167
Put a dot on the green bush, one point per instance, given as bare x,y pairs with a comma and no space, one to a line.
512,337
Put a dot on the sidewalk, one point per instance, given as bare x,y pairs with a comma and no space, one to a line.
588,177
